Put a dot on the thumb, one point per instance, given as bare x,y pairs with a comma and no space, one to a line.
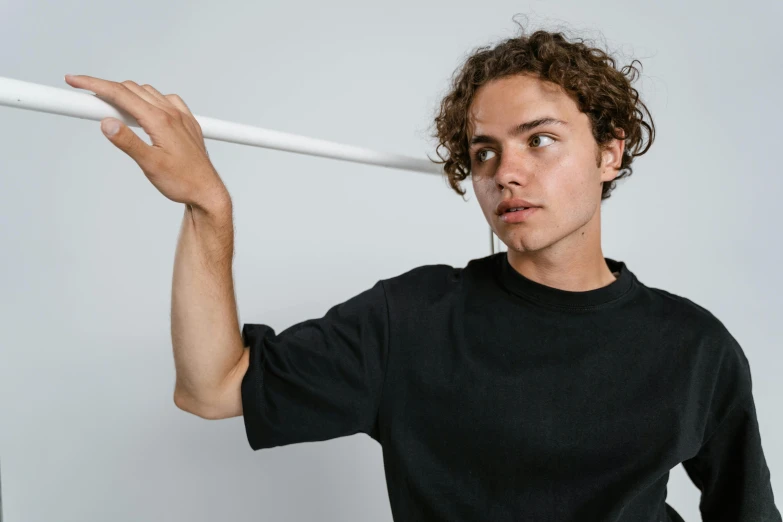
110,127
124,138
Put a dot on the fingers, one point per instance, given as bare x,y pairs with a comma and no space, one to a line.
152,90
122,96
152,96
179,103
172,99
127,141
144,94
148,106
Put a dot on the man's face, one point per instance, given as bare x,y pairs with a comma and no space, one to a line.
553,166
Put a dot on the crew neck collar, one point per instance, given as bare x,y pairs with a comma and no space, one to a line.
532,290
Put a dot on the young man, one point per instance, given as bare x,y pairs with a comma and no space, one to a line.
545,383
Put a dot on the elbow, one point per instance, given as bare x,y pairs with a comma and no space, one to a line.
187,403
221,402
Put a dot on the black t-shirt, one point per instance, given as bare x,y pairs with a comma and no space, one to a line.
495,397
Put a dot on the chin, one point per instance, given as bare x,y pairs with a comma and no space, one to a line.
524,244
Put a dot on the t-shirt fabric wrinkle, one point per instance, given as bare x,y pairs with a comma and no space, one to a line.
495,397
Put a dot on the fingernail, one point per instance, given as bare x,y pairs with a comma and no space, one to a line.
68,76
110,127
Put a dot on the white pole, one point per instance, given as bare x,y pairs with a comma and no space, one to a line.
55,100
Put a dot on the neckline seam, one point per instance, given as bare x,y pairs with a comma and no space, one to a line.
535,299
573,308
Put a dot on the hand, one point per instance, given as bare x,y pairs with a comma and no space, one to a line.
177,162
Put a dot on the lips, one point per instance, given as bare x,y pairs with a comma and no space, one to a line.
518,216
508,204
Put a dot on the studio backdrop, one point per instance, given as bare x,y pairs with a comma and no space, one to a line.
88,427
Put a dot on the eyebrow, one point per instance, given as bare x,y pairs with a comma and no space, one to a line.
519,129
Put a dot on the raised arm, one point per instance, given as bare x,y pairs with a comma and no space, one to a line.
208,348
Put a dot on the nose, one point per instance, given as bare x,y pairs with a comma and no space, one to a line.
513,171
511,179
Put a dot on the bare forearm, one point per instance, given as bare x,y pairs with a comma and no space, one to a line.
205,330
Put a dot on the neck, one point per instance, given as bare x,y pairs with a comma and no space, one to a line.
575,263
574,275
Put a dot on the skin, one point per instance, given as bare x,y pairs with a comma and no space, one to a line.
552,166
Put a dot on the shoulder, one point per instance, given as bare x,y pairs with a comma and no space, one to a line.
441,276
704,331
688,314
705,348
440,283
432,278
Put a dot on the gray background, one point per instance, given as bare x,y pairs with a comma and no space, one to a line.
88,427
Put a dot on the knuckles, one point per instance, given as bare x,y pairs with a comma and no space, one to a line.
166,118
172,96
161,116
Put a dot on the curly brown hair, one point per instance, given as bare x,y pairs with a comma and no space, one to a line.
586,73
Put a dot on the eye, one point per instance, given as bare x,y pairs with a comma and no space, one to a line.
478,155
542,136
535,136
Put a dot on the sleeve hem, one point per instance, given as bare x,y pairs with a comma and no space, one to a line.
252,383
388,356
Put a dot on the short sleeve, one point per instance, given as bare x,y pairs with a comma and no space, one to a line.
730,469
319,379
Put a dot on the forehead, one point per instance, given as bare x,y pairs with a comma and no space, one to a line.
518,98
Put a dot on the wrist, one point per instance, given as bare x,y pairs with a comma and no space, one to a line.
212,227
216,207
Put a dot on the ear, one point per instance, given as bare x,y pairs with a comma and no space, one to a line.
612,157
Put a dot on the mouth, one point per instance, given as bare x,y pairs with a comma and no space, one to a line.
518,214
